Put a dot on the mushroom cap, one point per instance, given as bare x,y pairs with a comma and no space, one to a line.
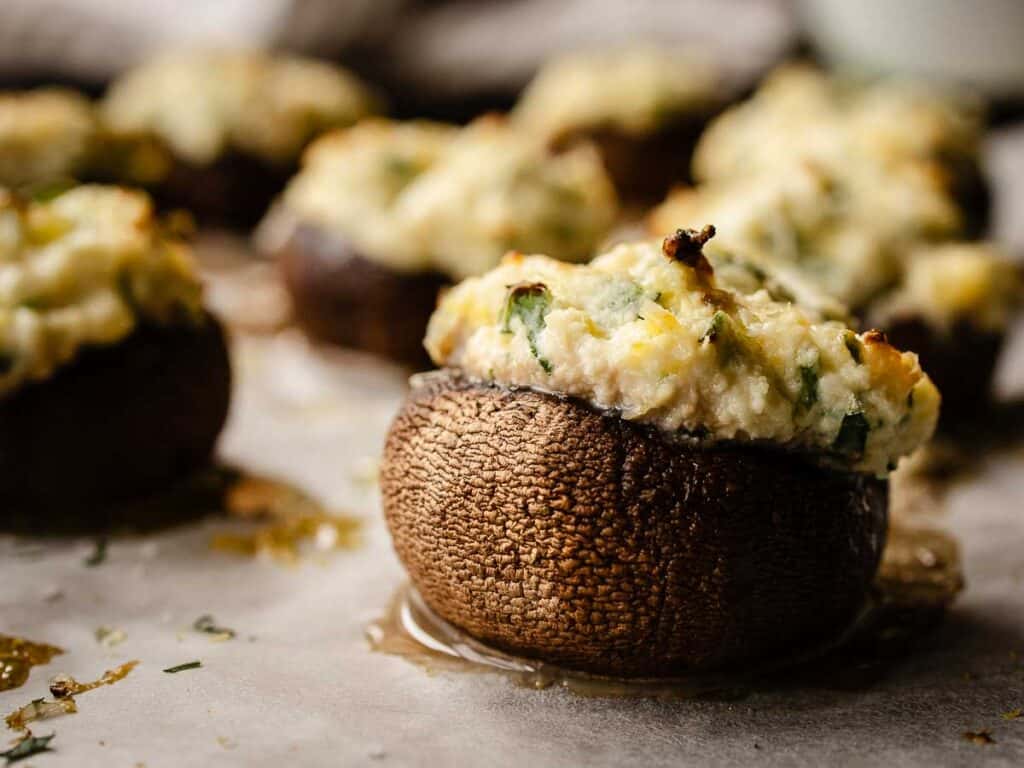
342,297
550,530
116,424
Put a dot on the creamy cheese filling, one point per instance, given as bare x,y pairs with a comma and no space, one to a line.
802,114
85,268
420,197
203,103
804,221
649,332
45,135
800,220
950,283
634,90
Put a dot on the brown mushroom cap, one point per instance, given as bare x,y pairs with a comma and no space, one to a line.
644,167
961,361
232,192
117,423
553,531
345,298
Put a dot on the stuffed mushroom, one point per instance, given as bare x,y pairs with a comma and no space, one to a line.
114,381
875,246
384,214
643,108
628,468
233,122
892,145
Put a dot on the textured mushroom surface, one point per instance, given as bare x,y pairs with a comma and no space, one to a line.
119,422
344,298
551,530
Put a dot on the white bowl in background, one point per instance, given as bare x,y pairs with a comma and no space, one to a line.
975,43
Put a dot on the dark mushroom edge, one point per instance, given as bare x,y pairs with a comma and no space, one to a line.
961,361
118,423
342,297
233,192
645,166
551,530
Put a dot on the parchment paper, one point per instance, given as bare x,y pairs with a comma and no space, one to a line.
299,685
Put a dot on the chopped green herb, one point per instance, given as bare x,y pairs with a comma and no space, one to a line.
401,167
99,553
721,332
36,303
657,298
852,345
183,667
852,436
628,296
28,746
530,302
808,386
559,229
718,322
206,623
44,192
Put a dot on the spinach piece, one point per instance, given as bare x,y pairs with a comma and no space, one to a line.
28,746
530,302
808,386
852,436
402,168
99,554
718,323
852,346
728,340
207,624
46,191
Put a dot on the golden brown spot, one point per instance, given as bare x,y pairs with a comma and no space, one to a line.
875,336
982,737
686,246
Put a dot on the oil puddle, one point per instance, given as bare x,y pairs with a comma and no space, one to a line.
919,578
18,656
289,524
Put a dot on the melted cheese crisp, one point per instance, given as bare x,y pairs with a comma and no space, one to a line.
420,197
635,90
951,283
646,331
204,103
44,135
84,269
